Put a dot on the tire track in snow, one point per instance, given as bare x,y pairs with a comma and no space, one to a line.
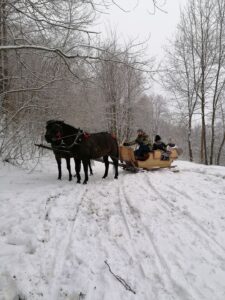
180,291
50,199
61,253
132,226
49,206
169,284
193,219
122,209
201,232
203,172
84,211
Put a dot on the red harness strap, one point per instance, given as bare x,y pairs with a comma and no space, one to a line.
86,135
113,136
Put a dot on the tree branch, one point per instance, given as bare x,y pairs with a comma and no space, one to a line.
121,280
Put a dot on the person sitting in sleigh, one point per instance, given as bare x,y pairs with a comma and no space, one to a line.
144,143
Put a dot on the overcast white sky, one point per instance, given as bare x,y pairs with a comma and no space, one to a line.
139,22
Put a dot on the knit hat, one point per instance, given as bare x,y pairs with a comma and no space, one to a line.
157,138
140,130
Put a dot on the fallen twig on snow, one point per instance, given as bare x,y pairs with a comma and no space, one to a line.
121,280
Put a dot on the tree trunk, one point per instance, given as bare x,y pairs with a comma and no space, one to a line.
204,158
220,150
212,138
189,142
3,55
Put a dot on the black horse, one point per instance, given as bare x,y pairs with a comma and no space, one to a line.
83,146
61,152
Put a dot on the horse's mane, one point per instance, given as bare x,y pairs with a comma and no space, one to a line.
63,124
70,127
50,122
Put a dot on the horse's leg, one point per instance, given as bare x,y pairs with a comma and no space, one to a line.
115,163
59,163
68,167
89,164
77,168
106,161
85,166
75,175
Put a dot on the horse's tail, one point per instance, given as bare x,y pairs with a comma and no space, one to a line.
117,159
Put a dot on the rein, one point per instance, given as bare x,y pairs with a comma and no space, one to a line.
78,135
75,142
67,136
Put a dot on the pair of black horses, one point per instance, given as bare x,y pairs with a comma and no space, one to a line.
70,142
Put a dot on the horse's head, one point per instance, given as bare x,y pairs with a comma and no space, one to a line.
54,131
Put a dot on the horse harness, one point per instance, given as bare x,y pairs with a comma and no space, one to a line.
77,140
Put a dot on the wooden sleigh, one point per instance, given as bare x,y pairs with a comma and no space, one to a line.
152,162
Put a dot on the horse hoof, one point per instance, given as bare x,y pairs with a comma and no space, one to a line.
116,177
78,181
59,178
85,182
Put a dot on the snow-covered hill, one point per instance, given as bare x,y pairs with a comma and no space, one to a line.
149,236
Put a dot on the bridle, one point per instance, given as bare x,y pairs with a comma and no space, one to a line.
77,139
60,138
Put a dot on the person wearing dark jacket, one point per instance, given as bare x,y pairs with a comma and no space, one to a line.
158,144
144,143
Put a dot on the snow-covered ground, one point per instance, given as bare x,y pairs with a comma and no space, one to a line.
161,234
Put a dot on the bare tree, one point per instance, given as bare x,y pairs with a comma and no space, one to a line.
181,77
196,72
121,84
47,53
221,141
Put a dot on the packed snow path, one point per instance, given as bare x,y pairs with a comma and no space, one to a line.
162,233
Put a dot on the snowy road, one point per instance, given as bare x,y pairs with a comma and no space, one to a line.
162,233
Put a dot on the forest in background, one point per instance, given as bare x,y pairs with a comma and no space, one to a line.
53,65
